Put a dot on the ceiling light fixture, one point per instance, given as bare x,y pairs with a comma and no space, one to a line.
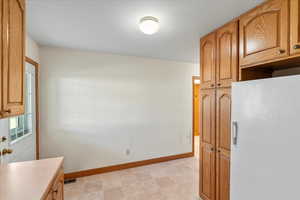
149,25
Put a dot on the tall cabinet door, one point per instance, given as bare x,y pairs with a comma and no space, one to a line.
227,58
264,33
295,27
207,172
207,144
207,116
223,175
208,63
13,57
223,132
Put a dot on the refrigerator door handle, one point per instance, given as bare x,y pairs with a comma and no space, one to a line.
234,132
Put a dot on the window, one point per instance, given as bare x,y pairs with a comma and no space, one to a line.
21,126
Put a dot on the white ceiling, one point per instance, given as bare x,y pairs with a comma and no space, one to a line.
112,25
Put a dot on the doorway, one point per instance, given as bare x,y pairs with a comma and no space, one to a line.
196,112
24,129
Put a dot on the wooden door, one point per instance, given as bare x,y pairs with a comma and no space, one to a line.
207,144
207,116
223,118
295,27
13,57
207,171
208,63
223,175
227,55
196,109
264,33
223,142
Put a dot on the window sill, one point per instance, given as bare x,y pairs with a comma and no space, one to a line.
20,139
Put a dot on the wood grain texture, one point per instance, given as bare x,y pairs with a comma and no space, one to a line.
207,171
223,175
223,118
207,116
208,61
13,58
90,172
295,27
227,55
264,33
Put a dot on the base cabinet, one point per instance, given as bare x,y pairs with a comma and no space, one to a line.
57,190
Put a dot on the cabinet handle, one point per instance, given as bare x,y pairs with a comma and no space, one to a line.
212,149
219,84
212,85
296,46
6,111
234,132
281,51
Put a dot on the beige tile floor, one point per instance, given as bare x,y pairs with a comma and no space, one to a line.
173,180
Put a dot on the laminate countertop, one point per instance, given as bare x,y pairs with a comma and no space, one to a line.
29,180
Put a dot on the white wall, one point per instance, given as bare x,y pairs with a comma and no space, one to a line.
95,106
25,148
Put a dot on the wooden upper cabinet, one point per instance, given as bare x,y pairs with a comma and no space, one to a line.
223,118
207,116
223,175
207,172
13,57
208,61
295,27
227,55
264,33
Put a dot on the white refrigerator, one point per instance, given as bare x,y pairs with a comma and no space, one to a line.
265,149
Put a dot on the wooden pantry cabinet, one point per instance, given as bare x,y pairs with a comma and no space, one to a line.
215,112
252,46
12,51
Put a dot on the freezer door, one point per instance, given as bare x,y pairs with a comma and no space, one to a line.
265,149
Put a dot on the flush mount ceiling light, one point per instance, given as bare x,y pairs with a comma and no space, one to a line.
149,25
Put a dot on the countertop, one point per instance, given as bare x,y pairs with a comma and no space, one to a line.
29,180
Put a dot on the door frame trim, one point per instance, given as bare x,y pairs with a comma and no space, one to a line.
193,80
37,112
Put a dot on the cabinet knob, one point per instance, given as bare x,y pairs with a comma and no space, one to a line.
7,151
212,85
281,51
296,46
3,139
219,84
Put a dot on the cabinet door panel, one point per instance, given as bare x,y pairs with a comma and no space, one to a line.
227,65
14,59
208,64
207,171
295,27
223,175
207,116
264,33
223,118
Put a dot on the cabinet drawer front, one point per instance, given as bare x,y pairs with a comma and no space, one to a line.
264,33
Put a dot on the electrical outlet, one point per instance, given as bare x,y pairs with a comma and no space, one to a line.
127,152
